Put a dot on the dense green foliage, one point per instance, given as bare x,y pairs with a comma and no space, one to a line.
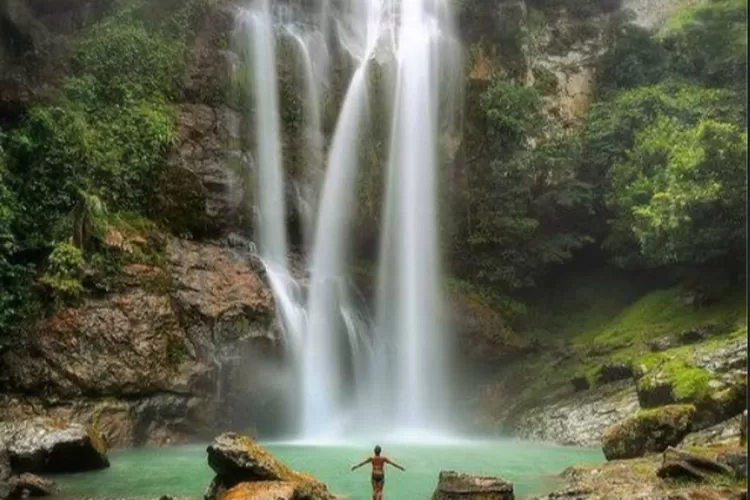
519,202
655,176
99,148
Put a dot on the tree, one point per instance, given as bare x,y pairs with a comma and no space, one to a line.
521,200
680,193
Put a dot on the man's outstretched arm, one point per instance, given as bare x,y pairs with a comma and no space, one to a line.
395,464
361,464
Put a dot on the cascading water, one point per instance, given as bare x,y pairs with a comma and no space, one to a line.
392,370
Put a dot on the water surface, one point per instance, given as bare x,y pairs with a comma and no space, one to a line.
182,471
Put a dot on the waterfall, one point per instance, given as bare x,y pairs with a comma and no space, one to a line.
352,371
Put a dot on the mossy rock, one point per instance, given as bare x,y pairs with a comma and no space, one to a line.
239,460
648,431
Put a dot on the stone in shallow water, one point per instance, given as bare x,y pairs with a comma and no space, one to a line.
456,486
45,445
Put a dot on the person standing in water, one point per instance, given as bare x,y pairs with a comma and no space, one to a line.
378,472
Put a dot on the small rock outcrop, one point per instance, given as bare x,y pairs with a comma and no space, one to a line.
736,460
31,485
44,445
649,431
457,486
582,418
244,470
726,432
613,372
679,464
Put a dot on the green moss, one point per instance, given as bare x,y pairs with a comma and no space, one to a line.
660,313
688,382
669,412
176,351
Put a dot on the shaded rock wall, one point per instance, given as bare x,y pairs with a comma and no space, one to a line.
146,365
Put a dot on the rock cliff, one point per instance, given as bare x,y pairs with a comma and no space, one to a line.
152,365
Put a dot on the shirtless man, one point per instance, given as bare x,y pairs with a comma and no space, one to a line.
378,472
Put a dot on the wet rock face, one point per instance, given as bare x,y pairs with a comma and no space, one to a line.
46,446
456,486
582,418
244,470
649,431
212,164
150,365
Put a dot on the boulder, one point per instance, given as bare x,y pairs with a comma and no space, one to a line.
32,486
743,428
662,344
45,445
736,460
613,372
648,431
263,490
725,432
580,383
243,467
234,456
679,464
457,486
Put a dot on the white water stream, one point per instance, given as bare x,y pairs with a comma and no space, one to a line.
355,373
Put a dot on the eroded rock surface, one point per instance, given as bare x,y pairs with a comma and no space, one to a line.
49,446
635,479
582,418
457,486
155,361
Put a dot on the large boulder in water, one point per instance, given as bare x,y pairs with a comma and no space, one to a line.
244,470
456,486
45,445
648,431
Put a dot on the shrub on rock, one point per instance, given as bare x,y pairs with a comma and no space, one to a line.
456,486
648,431
46,445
